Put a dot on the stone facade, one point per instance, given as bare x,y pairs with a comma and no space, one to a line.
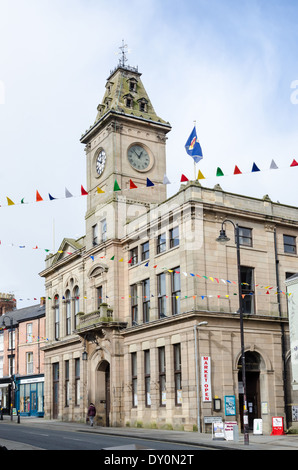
127,301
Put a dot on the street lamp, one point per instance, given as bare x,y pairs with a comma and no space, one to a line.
11,363
197,371
222,239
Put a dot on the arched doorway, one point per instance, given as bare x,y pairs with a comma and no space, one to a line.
103,393
252,367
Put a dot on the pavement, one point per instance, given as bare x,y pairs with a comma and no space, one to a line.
258,442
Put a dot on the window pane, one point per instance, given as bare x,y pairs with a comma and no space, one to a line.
77,367
174,237
161,284
146,300
289,244
161,243
245,236
247,288
145,251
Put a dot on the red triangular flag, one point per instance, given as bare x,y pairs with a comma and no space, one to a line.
130,261
83,191
294,163
132,185
183,178
237,171
38,197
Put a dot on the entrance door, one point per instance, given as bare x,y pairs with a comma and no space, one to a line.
55,390
102,395
107,381
252,366
33,403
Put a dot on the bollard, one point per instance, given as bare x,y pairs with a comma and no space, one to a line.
1,414
19,417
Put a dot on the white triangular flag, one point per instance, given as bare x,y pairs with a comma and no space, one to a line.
273,165
67,193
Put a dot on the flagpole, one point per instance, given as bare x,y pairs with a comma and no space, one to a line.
194,163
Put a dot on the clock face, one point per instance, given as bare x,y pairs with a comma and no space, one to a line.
138,157
100,162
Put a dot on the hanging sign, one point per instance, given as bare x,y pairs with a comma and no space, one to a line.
206,378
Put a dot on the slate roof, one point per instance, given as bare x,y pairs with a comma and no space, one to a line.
23,314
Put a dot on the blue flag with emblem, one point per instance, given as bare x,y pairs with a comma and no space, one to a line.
193,147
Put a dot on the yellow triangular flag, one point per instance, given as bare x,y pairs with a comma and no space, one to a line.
99,190
200,176
121,259
9,201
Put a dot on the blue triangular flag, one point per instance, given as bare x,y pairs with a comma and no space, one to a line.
51,197
255,168
149,183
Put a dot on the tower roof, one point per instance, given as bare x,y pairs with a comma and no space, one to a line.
125,95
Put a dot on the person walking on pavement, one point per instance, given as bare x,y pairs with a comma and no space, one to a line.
91,413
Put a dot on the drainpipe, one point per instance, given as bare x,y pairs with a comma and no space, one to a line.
283,343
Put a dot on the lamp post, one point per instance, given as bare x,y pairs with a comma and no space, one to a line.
11,364
223,238
196,327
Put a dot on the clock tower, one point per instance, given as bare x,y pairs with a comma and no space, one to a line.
125,147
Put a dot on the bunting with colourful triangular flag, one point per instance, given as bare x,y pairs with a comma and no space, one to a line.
67,193
116,186
83,191
38,197
132,185
183,179
149,183
255,168
200,176
9,201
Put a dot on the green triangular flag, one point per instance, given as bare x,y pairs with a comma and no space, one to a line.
112,259
116,186
219,172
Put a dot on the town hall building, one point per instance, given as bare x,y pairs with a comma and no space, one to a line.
142,312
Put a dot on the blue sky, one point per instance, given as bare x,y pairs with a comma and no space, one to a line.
228,65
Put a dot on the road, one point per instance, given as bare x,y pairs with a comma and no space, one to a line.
53,439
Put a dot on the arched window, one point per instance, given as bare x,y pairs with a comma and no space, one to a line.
68,313
57,316
76,304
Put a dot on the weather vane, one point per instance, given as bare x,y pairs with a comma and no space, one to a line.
124,50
